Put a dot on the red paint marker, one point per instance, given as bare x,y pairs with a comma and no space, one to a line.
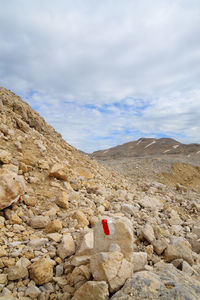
105,227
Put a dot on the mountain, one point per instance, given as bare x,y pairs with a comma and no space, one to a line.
146,147
71,228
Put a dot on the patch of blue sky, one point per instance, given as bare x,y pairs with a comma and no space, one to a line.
136,107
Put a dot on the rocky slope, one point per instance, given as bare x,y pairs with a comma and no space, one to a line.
52,241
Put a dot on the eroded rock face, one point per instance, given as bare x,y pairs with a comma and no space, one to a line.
11,188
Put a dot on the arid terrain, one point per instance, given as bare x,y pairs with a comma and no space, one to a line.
164,160
53,198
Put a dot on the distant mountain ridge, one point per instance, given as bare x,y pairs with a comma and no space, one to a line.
146,147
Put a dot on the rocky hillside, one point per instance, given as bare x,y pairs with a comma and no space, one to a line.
53,242
148,146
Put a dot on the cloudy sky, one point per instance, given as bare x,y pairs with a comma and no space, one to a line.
105,72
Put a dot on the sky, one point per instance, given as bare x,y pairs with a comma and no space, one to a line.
103,73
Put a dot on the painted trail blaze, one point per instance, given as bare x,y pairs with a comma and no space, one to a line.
105,227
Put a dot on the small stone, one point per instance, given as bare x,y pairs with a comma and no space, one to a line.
87,244
187,268
81,218
2,221
14,219
159,246
139,261
92,290
66,247
59,270
5,157
41,271
39,222
3,252
56,237
62,200
196,230
179,248
32,292
128,209
53,226
43,164
17,272
3,278
148,233
37,243
59,171
80,260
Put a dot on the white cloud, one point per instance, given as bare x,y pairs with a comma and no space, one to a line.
136,62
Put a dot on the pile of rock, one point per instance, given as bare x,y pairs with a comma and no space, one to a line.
52,241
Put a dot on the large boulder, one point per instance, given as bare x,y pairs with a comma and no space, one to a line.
120,237
11,188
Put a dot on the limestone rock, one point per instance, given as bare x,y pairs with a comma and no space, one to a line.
43,164
196,230
5,157
179,248
139,261
2,221
159,246
80,260
62,200
128,209
56,237
53,226
33,292
87,244
59,171
81,218
3,252
3,278
11,188
66,247
163,283
110,267
17,272
41,271
35,243
92,290
148,233
38,222
150,203
121,234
